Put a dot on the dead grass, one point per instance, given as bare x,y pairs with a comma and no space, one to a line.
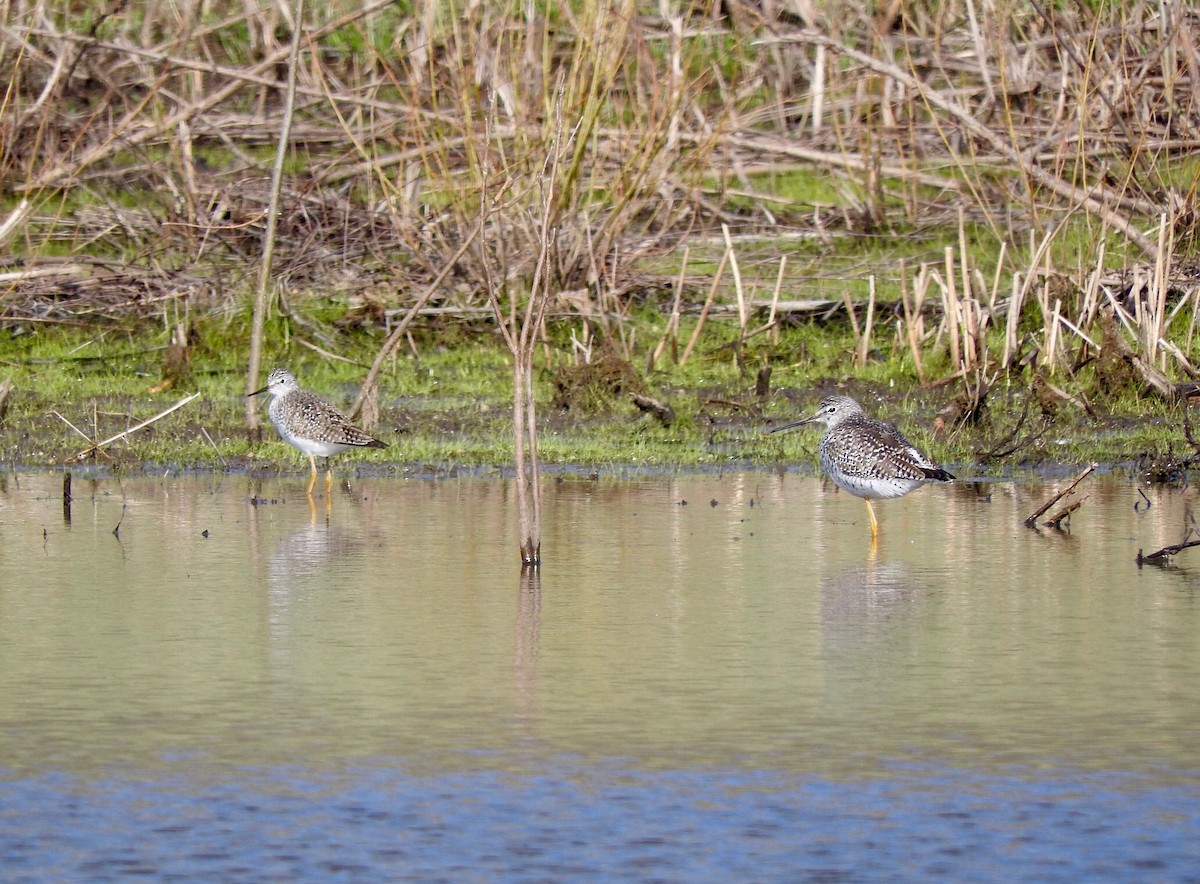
136,145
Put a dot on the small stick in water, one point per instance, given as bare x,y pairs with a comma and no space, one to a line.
1032,520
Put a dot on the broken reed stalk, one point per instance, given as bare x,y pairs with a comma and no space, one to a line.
912,318
1054,335
743,317
1091,300
950,310
1159,295
848,303
1194,298
864,346
817,90
671,331
964,260
708,302
774,333
995,290
15,219
1012,322
1031,521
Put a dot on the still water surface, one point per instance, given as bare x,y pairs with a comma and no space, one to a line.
714,678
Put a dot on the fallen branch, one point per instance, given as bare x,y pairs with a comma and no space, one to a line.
1160,556
663,412
87,452
1032,520
1056,520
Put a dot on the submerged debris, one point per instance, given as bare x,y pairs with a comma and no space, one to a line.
1031,521
1162,556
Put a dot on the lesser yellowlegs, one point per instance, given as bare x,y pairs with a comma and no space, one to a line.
867,457
311,424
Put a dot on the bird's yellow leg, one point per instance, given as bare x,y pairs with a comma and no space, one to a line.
313,480
874,521
328,478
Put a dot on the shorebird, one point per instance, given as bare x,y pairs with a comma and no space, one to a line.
867,457
311,424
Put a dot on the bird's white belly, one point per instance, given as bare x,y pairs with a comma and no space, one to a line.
311,446
876,489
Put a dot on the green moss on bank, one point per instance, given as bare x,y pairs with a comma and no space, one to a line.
446,405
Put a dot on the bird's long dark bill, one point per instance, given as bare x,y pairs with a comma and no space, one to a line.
256,392
791,426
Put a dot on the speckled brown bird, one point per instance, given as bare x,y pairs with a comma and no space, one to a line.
867,457
311,424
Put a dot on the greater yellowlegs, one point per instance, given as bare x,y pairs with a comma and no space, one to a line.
311,424
867,457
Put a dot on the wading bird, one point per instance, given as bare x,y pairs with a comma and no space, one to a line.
867,457
311,424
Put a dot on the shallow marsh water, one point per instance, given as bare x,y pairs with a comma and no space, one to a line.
714,678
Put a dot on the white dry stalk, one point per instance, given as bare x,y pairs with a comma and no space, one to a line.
14,220
912,322
1014,318
950,304
995,290
1091,301
743,311
865,343
775,300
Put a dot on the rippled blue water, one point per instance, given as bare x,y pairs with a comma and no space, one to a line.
715,678
582,822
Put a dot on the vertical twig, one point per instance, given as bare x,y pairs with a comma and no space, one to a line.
743,312
1012,326
864,345
708,302
258,323
773,334
950,299
911,318
671,331
848,303
818,89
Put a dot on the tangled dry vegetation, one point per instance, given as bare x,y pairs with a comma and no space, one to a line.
611,140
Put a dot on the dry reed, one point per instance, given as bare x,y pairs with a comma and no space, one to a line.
134,143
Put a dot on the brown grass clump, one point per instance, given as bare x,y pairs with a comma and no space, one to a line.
594,386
